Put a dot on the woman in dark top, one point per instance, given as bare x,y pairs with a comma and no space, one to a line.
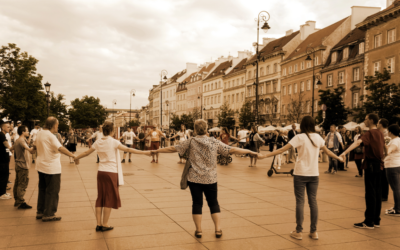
72,141
358,152
348,140
254,138
172,137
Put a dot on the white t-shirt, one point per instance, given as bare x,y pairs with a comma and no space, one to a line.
48,157
128,137
97,135
8,137
242,134
331,139
307,160
33,134
106,151
393,160
15,132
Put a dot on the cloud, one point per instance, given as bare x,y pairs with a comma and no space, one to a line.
105,48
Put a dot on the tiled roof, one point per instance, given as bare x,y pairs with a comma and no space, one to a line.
315,39
240,66
274,46
188,78
394,4
181,87
353,35
220,70
177,75
207,68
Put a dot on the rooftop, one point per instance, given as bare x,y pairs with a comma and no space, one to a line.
220,70
240,66
393,5
353,36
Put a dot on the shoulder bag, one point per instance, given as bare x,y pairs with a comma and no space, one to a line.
185,173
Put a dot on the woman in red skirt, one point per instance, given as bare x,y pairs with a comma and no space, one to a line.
109,175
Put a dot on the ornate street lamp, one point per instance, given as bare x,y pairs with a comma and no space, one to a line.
262,18
201,105
310,50
47,88
163,76
114,102
130,105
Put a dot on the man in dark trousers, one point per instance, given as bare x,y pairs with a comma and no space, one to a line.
342,131
373,143
292,152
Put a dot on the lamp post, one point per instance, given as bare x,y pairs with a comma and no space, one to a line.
114,102
163,76
260,19
130,105
309,51
47,88
201,106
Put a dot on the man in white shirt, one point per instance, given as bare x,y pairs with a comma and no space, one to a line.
242,137
15,130
32,139
48,165
332,141
128,137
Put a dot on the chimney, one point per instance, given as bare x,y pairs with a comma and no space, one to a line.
389,2
359,13
190,68
289,32
267,40
307,29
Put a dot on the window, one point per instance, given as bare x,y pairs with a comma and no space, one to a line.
237,97
237,82
219,99
390,65
308,64
261,71
284,90
295,68
302,107
284,71
283,109
275,68
377,66
249,75
301,86
361,48
316,60
377,41
229,99
242,80
356,74
301,65
268,70
225,85
249,91
334,57
355,100
308,84
391,36
290,70
330,80
219,84
261,90
290,90
242,96
295,88
308,106
346,53
341,77
233,98
212,100
224,99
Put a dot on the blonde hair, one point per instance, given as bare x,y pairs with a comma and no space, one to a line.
200,127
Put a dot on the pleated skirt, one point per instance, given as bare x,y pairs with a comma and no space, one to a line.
107,190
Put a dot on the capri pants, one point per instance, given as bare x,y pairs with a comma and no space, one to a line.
210,191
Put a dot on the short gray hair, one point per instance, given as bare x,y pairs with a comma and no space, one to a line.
50,122
200,127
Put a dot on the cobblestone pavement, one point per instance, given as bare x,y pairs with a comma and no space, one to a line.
257,211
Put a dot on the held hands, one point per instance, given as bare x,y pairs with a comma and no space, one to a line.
76,160
341,158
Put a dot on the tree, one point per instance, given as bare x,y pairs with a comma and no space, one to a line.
134,123
246,116
226,117
382,98
196,113
185,119
20,86
87,112
295,108
58,109
336,112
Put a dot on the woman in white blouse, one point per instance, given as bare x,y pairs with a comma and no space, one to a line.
109,175
306,172
202,152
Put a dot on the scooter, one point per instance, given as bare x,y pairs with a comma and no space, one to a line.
272,170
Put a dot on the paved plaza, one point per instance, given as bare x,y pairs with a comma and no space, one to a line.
257,211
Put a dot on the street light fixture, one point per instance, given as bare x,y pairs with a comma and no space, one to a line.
163,76
132,93
47,88
114,102
201,106
310,50
262,18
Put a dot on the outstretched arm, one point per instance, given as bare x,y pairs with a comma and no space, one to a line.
171,149
133,151
66,152
277,152
332,155
241,151
84,154
353,146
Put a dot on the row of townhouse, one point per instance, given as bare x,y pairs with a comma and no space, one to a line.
344,53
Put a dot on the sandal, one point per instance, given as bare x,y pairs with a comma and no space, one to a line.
218,234
103,229
99,228
198,234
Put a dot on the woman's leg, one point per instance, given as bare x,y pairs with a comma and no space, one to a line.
211,193
106,216
197,197
99,210
251,161
358,163
255,161
299,187
312,187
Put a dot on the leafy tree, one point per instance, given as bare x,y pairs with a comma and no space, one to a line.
295,108
87,112
246,116
196,113
336,112
134,123
185,119
226,116
382,98
58,109
20,86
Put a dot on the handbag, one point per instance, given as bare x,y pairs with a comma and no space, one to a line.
358,150
185,173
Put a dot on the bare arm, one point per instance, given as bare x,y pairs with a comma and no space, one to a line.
330,154
235,150
171,149
31,150
277,152
391,149
133,151
353,146
8,146
65,151
84,154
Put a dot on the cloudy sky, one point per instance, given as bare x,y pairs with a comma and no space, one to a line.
105,48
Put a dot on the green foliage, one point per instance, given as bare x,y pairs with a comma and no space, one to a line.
226,117
184,119
134,123
58,109
20,86
336,112
246,116
87,112
383,98
294,108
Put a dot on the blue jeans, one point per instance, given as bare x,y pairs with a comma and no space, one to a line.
310,184
333,163
393,177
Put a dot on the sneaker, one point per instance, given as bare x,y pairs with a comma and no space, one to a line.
393,213
24,206
123,161
377,224
278,168
390,209
364,226
39,216
33,161
296,235
313,236
51,218
5,197
327,172
334,172
129,160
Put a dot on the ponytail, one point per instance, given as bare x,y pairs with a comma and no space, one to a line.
312,142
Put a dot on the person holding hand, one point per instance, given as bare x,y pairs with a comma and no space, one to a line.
109,175
306,174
